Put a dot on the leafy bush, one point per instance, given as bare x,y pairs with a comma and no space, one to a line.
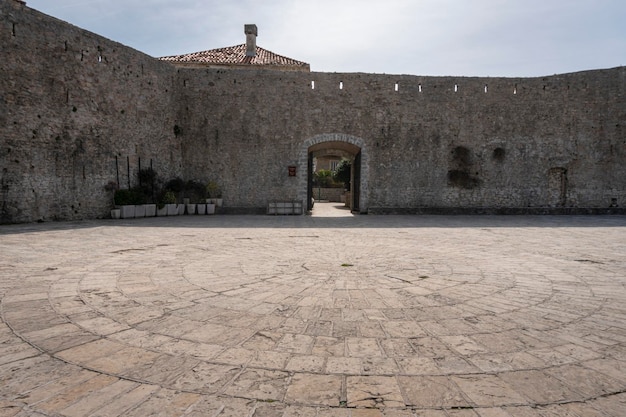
166,197
195,191
176,185
147,177
129,197
213,190
323,178
342,173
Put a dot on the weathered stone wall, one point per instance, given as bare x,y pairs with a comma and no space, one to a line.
432,142
72,102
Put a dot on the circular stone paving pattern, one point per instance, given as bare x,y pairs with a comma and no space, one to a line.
290,315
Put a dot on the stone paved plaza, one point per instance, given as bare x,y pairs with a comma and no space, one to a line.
307,316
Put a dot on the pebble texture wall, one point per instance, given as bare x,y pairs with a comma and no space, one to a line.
78,111
431,142
70,103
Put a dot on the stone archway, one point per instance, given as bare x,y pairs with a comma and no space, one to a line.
351,144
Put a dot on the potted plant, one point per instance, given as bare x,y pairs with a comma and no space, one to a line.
215,193
201,206
124,200
147,182
166,205
196,193
177,187
139,199
161,209
169,199
116,213
200,195
111,187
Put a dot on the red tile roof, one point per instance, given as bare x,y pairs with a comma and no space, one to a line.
235,56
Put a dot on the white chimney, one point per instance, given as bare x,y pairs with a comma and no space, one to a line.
251,33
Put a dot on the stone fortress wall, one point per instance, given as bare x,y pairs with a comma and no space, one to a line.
70,103
73,105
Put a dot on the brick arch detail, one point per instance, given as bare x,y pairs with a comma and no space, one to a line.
334,137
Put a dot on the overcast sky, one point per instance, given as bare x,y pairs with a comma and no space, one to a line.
516,38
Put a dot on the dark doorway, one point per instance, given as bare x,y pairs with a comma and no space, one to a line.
356,182
334,150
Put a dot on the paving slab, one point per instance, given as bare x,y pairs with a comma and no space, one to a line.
332,314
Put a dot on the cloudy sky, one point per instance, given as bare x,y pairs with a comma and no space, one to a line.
517,38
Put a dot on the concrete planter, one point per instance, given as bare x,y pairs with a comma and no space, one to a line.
127,212
160,212
201,208
181,209
140,210
150,210
191,208
217,201
116,213
210,209
172,209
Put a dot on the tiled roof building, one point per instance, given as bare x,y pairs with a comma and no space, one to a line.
247,55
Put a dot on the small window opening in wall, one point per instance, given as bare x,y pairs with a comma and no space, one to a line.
341,85
13,30
515,89
419,87
82,55
99,58
456,88
396,87
486,88
65,45
312,85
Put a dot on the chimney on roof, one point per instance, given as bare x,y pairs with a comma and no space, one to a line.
251,32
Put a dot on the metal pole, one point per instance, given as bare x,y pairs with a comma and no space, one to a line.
117,172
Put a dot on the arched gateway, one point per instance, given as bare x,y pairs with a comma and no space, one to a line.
351,146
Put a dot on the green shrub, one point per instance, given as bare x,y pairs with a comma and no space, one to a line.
213,190
323,178
129,197
195,191
166,197
342,173
147,176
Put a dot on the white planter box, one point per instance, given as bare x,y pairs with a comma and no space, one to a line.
127,212
140,210
150,210
172,209
201,208
210,209
181,209
116,213
161,211
191,208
